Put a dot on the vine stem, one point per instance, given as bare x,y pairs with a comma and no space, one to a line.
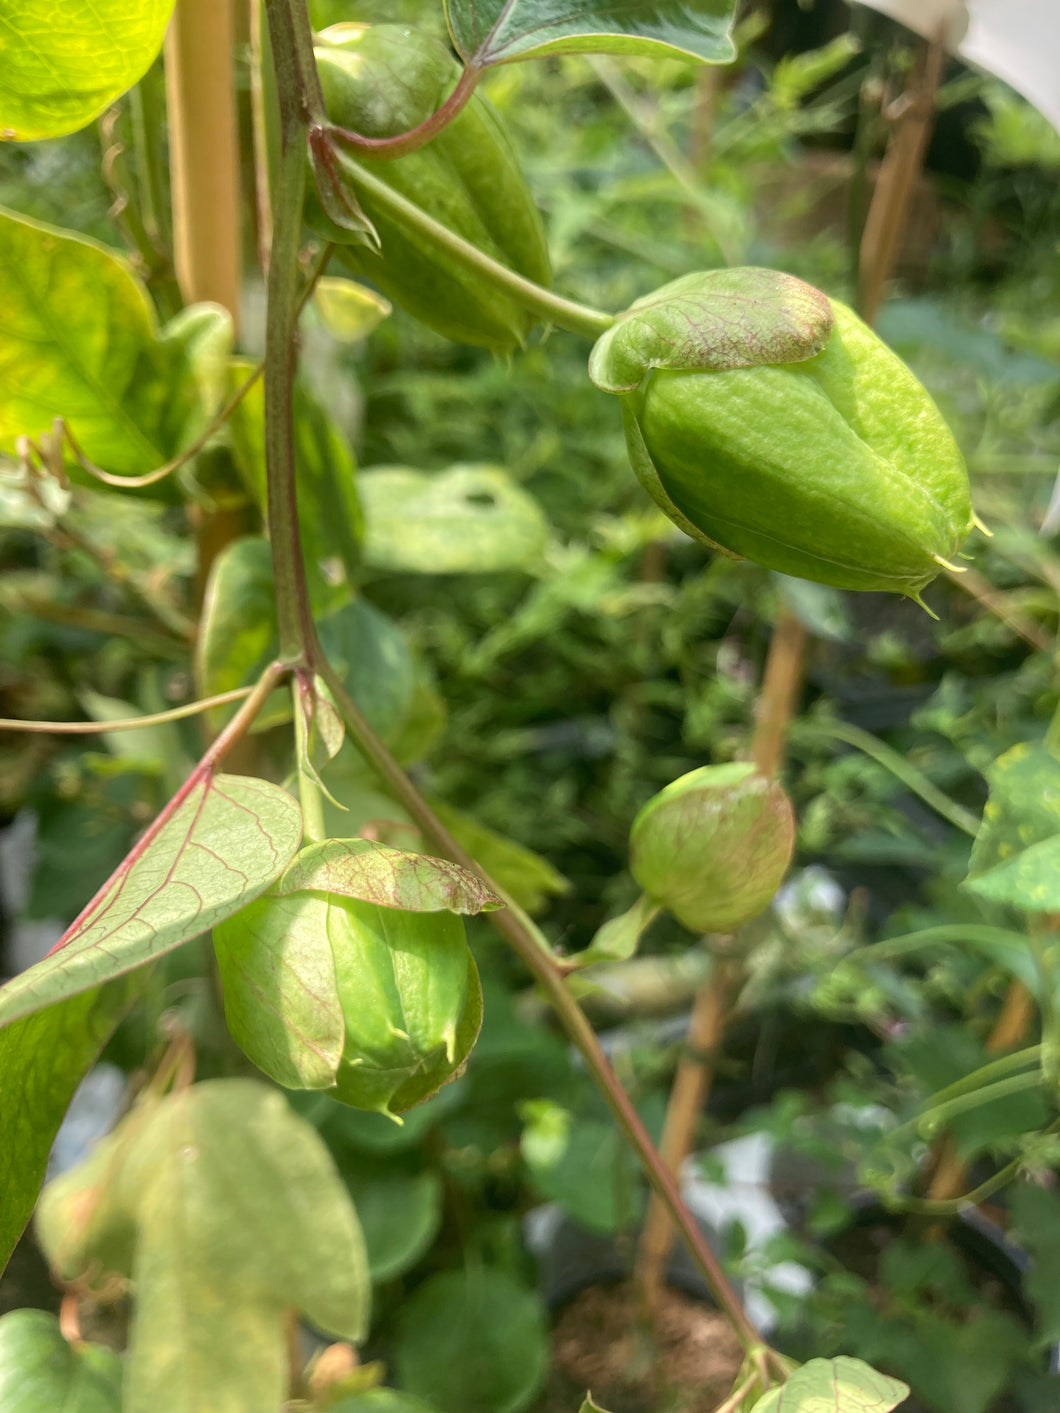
128,723
387,148
301,108
565,313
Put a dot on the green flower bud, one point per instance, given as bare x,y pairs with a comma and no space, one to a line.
379,1005
814,453
383,80
714,846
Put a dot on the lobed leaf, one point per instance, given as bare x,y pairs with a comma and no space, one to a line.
223,844
65,61
393,878
501,31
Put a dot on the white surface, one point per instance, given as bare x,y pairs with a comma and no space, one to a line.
1017,40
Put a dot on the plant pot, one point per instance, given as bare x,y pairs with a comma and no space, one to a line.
683,1356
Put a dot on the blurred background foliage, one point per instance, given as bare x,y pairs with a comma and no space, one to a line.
544,702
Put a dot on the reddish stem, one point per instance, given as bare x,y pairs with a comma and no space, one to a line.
385,149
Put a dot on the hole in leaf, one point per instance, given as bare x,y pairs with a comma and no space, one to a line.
483,498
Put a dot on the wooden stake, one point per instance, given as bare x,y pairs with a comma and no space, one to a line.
204,152
913,117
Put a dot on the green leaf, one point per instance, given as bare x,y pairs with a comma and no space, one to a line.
713,320
501,31
329,509
238,1215
65,63
589,1405
591,1173
43,1059
348,310
841,1385
222,845
81,342
1036,1224
484,1330
1016,855
618,938
401,1214
40,1372
469,519
393,878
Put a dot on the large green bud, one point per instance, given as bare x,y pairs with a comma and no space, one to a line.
379,1005
714,846
383,80
828,460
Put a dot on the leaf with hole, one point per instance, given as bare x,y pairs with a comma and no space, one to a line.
65,61
207,855
466,520
501,31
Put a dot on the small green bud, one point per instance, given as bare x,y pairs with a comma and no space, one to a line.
714,846
381,81
379,1005
786,432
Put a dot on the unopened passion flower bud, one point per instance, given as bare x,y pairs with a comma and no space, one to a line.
714,846
768,421
381,81
378,1005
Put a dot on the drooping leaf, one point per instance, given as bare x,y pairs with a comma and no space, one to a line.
713,320
222,845
401,1214
841,1385
485,1330
43,1059
40,1372
81,342
1016,855
467,520
393,878
501,31
618,938
238,1215
65,62
349,310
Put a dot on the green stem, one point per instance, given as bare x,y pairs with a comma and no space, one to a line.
1038,936
566,313
987,1074
939,1114
910,777
308,790
129,723
528,943
296,83
300,104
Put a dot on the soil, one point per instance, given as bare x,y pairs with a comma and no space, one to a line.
601,1343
